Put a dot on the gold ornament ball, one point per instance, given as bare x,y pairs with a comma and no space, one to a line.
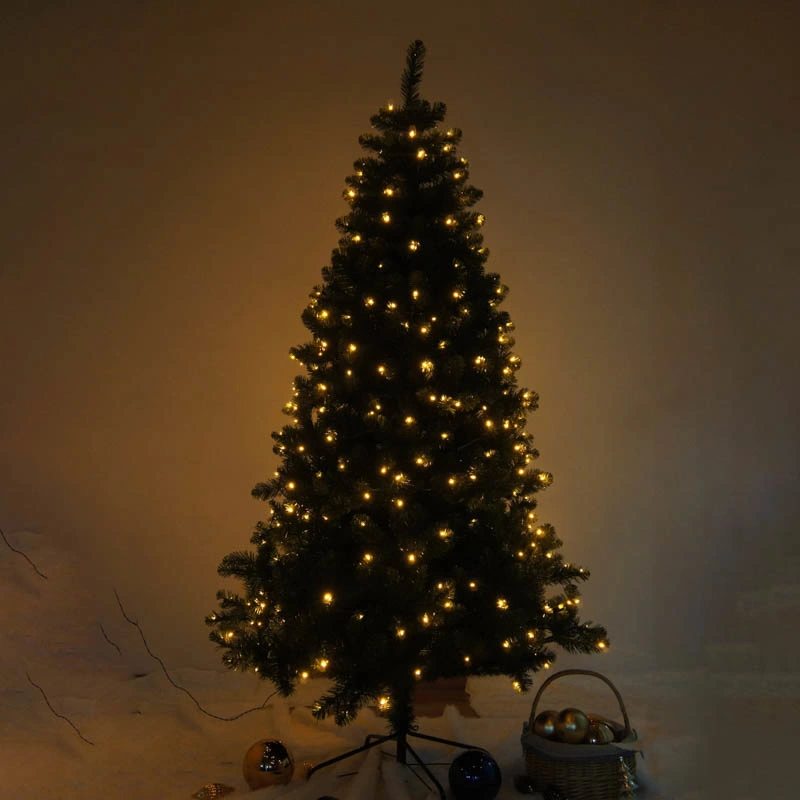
599,733
267,763
572,726
545,724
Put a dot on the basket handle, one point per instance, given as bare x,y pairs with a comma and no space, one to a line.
603,678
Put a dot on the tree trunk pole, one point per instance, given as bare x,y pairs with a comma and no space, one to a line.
401,715
401,748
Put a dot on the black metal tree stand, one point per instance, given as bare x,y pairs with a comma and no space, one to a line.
403,747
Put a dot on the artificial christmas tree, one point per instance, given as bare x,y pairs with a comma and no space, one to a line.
402,541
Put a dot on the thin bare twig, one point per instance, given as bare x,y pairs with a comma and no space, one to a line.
24,555
60,716
105,636
177,686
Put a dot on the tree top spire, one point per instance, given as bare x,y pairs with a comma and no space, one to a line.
412,76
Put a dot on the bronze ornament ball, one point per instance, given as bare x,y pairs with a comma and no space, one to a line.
617,730
267,763
572,725
545,724
599,733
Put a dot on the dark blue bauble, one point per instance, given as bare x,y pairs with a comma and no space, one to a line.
474,775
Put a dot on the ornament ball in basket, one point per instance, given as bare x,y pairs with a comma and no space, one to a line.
581,771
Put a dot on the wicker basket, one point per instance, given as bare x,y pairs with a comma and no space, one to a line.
579,771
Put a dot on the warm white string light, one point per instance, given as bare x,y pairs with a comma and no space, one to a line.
468,473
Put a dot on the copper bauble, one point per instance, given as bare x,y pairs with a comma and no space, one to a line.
211,791
599,733
545,724
617,730
267,763
571,726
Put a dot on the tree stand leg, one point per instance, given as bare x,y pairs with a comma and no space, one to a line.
403,748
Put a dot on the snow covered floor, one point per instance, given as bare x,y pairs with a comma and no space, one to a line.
705,735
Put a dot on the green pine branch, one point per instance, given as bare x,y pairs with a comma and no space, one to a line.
412,76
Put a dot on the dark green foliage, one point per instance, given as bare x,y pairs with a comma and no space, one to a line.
412,77
402,535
